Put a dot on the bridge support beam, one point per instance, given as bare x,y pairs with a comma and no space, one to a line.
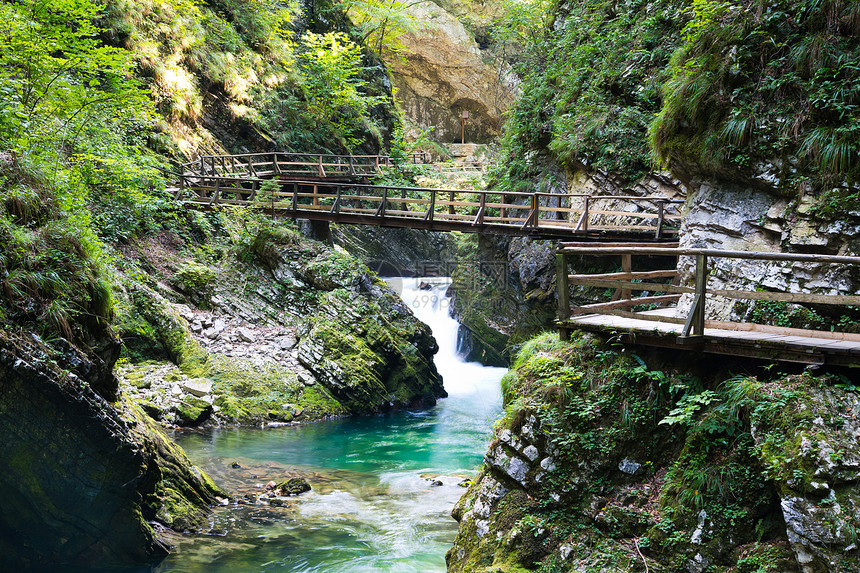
561,280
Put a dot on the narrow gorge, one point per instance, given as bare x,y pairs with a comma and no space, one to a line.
306,286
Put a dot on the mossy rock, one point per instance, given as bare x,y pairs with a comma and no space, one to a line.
293,486
151,409
193,411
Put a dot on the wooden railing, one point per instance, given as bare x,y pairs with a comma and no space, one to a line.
280,164
694,323
453,209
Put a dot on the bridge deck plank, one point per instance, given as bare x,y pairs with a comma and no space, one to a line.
811,348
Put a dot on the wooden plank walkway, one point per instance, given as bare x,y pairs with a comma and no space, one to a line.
663,327
793,345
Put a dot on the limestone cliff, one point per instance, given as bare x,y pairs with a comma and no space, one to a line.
611,461
731,215
444,72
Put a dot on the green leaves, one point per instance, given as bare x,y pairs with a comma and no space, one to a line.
778,84
589,84
331,66
56,74
686,409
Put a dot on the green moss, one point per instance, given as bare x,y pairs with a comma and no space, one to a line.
183,493
193,411
374,354
719,446
150,328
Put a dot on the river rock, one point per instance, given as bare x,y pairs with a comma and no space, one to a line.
292,486
246,335
198,387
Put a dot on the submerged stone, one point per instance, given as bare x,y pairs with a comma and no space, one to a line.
292,486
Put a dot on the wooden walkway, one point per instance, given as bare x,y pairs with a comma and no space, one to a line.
769,343
665,327
281,184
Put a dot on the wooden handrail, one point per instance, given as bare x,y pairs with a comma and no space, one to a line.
695,323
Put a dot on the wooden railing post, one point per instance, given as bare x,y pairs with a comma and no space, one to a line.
661,207
582,225
403,206
336,207
381,211
694,327
295,196
626,267
181,185
215,197
429,215
561,281
502,210
316,200
534,214
479,218
320,170
451,207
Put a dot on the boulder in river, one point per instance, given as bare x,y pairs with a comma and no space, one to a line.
292,486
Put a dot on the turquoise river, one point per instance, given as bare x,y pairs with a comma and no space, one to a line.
383,487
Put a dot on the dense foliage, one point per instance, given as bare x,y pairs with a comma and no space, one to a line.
96,102
590,85
759,82
754,88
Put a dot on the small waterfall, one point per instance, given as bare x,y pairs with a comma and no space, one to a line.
431,307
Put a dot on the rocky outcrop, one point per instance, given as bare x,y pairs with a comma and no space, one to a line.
299,332
734,216
597,465
84,480
443,72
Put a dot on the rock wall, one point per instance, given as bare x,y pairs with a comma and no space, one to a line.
84,479
396,252
443,72
296,332
745,217
598,465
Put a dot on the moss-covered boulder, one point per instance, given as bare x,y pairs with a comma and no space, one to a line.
611,461
359,340
292,486
297,332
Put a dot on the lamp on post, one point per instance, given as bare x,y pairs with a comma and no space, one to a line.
464,116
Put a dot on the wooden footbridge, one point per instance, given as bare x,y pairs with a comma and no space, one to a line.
652,318
335,188
330,188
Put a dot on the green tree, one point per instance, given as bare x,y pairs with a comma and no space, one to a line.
331,68
382,23
57,75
